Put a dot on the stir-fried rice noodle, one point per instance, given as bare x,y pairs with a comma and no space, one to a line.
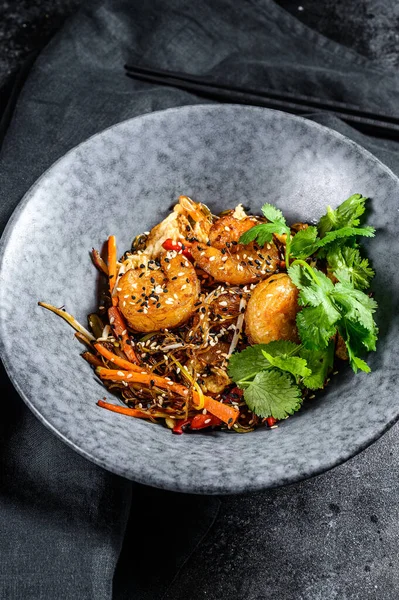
187,362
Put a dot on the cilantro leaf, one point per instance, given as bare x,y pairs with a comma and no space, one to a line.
314,291
355,337
346,214
348,265
358,336
329,308
279,348
292,364
320,363
343,233
357,306
273,394
273,214
263,232
314,328
304,242
247,363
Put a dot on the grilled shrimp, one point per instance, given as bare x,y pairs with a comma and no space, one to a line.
226,260
188,219
159,297
271,311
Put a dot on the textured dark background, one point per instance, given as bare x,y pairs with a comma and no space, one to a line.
345,545
371,27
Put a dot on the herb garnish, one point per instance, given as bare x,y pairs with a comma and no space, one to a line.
324,262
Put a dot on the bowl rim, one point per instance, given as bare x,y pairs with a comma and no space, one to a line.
212,488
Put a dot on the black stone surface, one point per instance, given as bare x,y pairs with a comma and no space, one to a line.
344,543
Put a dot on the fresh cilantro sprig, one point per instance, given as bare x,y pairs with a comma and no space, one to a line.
334,228
347,264
346,215
273,375
273,394
329,308
263,233
306,243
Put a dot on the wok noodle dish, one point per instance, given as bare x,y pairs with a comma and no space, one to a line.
229,321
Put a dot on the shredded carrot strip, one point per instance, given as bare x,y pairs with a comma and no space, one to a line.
112,256
144,378
224,412
117,360
119,326
124,410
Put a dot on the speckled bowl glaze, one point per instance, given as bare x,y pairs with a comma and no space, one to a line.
123,181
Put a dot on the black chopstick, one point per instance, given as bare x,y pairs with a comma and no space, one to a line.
372,123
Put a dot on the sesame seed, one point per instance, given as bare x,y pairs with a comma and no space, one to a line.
211,258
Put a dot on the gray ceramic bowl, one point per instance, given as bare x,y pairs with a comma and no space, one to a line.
122,181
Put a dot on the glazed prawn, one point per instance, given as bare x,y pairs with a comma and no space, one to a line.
188,219
159,294
271,311
226,260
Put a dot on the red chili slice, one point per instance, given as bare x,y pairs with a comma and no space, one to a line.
203,421
169,244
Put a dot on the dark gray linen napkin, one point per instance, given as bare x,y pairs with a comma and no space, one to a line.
63,521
